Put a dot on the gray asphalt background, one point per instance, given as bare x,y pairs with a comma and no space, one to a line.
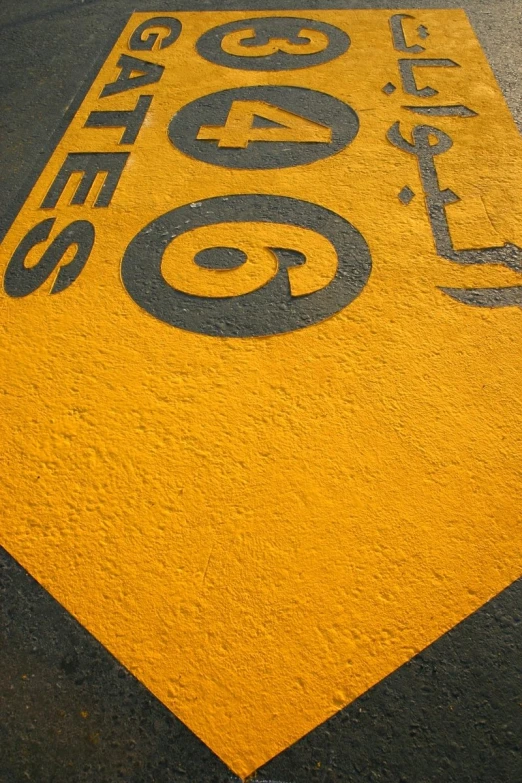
69,713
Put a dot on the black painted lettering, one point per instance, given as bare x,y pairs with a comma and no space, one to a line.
131,120
89,164
399,37
20,280
133,73
409,83
144,37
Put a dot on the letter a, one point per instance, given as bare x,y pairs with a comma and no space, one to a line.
145,73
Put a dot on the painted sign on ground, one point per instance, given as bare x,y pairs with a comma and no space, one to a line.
261,316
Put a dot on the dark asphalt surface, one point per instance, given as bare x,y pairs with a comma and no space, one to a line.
69,712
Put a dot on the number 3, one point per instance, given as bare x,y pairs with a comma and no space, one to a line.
233,44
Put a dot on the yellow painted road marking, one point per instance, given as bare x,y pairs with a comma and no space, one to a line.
262,527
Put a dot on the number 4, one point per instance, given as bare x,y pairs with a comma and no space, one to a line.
239,129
